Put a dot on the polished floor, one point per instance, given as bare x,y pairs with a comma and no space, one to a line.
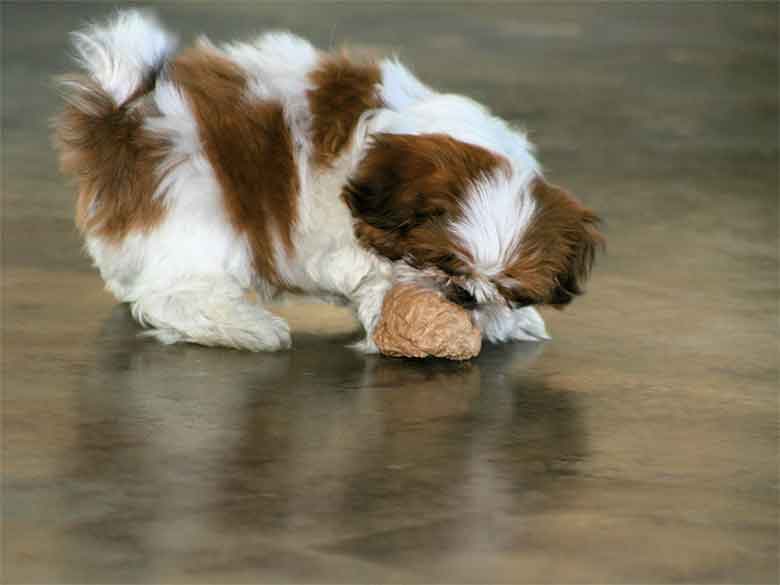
640,445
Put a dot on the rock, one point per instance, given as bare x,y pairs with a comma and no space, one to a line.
418,322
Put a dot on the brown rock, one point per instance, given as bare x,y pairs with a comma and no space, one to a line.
418,322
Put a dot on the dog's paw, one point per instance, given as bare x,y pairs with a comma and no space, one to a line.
251,328
528,325
501,324
366,346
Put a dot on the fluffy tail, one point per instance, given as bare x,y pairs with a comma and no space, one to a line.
100,134
122,55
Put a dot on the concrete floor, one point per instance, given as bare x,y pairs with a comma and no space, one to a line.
640,445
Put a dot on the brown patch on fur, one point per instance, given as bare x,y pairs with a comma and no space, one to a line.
249,145
408,188
557,249
114,158
343,90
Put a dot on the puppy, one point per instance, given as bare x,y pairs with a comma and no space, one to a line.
268,166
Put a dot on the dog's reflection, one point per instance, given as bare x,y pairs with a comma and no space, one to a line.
319,441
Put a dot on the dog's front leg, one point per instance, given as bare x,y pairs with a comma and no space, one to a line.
360,277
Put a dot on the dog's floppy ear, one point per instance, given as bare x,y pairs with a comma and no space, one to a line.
586,242
408,181
395,187
558,247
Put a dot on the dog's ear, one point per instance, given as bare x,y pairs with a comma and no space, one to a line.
558,247
586,241
405,182
397,185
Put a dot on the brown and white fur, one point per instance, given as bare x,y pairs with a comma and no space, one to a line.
268,166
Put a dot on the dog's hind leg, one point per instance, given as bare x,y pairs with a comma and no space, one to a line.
210,311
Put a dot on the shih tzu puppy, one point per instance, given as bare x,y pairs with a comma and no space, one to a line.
219,172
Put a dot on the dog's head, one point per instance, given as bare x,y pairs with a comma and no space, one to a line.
470,223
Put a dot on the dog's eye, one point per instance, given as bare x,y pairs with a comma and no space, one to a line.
460,296
521,301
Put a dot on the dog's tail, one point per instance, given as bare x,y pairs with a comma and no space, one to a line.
122,57
100,133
